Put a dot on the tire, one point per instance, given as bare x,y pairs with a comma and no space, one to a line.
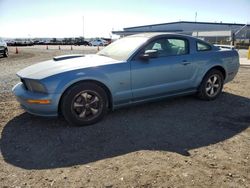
6,53
84,104
211,85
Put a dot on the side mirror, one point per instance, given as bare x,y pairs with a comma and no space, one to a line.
149,54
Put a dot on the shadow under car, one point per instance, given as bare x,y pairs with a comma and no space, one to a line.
173,125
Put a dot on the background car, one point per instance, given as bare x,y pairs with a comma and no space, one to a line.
20,42
131,70
84,43
98,42
3,48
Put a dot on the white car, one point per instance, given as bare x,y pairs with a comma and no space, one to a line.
98,42
3,48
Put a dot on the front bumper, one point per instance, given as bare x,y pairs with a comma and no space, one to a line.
2,50
48,110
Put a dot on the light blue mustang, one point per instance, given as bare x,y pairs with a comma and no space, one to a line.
132,70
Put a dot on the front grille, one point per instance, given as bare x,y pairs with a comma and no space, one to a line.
24,84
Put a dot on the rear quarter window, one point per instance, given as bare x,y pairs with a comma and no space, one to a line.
202,46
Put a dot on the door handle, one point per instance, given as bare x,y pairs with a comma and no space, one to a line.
185,62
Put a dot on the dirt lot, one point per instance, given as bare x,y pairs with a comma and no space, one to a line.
180,142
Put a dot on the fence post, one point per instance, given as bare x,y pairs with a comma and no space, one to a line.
248,54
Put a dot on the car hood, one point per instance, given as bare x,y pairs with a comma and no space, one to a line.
64,64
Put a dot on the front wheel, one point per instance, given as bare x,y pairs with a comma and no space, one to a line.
84,104
211,85
6,53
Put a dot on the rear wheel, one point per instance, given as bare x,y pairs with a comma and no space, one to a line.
84,104
211,85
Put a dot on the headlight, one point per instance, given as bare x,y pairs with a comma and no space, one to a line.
34,86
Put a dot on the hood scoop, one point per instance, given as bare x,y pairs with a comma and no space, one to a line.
64,57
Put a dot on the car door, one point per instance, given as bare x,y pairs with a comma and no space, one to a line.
171,71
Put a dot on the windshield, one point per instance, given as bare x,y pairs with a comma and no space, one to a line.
123,48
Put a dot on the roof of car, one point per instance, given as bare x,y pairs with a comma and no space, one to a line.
154,34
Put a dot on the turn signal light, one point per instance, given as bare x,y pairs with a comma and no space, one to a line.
42,101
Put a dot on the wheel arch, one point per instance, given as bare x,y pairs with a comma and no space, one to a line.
200,89
219,68
102,85
216,67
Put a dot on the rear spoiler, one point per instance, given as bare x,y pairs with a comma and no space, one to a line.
225,46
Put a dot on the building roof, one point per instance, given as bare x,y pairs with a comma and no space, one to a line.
211,23
156,31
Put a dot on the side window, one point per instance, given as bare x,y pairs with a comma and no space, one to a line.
169,46
157,46
201,46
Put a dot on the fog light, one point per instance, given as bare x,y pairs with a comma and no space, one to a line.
42,101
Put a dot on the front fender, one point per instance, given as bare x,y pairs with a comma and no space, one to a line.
115,77
59,83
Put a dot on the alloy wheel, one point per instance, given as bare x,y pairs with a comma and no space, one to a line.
213,85
86,105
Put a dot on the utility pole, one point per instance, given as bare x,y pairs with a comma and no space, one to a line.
83,26
83,31
233,39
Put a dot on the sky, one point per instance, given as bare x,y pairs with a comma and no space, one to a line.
97,18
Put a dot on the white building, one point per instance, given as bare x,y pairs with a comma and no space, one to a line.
212,32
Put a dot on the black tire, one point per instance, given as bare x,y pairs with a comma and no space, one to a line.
211,85
6,53
84,104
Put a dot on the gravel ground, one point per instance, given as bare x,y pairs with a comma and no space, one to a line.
243,53
179,142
